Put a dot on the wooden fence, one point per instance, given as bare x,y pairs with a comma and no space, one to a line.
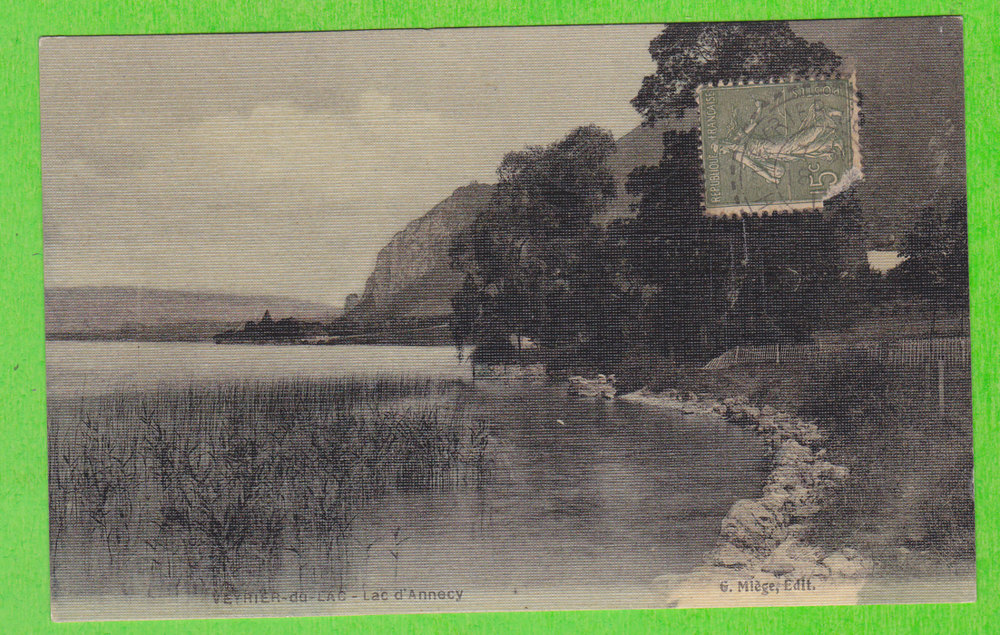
951,350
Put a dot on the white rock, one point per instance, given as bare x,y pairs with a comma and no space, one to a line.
797,531
788,476
583,387
840,564
766,424
728,555
791,452
791,555
752,524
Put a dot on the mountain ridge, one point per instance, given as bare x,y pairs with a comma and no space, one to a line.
112,310
412,276
419,252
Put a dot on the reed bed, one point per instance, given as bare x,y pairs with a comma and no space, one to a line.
201,489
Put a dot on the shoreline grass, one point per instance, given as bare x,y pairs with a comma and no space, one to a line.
231,486
908,500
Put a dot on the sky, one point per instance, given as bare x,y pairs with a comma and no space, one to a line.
280,164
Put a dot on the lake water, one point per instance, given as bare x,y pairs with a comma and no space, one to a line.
592,499
74,368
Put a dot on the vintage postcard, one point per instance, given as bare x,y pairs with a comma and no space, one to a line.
625,316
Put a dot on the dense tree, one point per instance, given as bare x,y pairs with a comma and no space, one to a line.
532,263
719,282
937,253
677,254
670,279
689,54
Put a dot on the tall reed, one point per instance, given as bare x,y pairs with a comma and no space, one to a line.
195,489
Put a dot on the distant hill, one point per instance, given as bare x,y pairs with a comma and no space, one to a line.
159,314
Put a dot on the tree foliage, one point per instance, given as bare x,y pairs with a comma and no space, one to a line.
532,263
673,251
670,280
720,282
937,255
689,54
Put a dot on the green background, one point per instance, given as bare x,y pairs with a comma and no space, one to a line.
24,594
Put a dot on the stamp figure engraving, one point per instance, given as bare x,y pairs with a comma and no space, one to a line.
778,147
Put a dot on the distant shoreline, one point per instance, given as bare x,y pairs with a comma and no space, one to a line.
208,340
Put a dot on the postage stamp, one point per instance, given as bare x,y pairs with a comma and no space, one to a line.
778,147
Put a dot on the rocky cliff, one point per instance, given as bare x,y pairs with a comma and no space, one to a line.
412,275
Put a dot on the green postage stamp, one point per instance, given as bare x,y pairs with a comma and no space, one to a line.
778,147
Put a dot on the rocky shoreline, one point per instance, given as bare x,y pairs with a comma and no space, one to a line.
601,386
763,557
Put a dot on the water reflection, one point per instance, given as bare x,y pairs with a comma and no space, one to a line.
573,493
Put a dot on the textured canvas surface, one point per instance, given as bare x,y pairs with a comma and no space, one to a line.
561,385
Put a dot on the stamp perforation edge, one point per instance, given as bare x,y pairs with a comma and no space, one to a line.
854,174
